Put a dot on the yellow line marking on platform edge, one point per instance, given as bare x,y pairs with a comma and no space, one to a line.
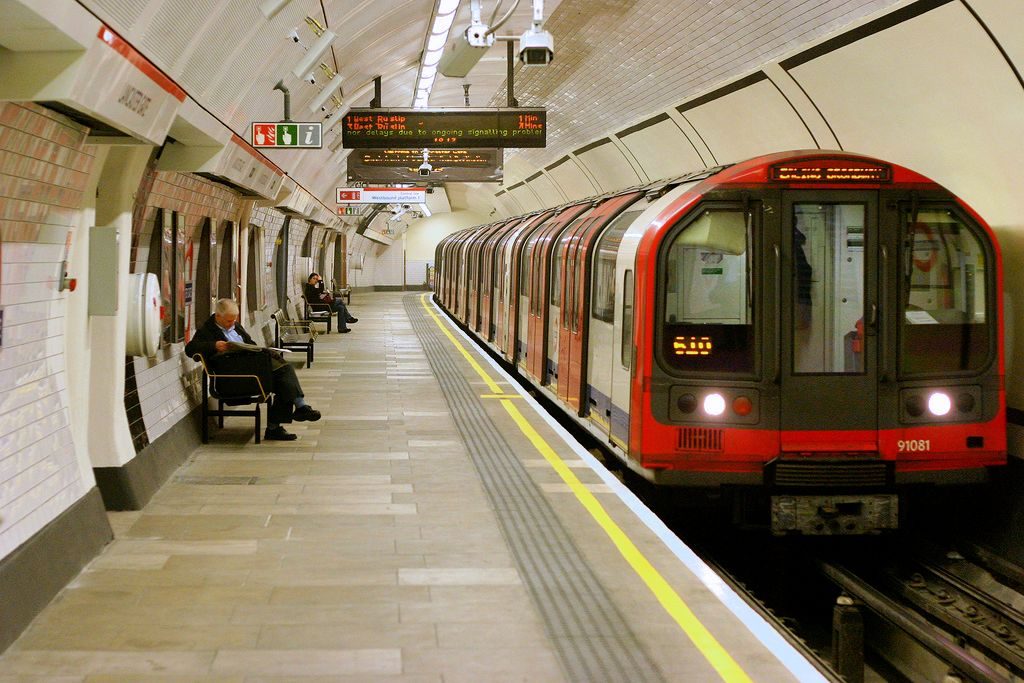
717,656
500,396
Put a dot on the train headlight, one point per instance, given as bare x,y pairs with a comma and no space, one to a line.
714,404
914,406
939,404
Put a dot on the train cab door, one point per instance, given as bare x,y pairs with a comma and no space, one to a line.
828,308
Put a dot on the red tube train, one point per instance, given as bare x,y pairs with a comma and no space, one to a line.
819,329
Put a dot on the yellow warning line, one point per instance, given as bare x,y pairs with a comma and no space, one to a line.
500,396
712,650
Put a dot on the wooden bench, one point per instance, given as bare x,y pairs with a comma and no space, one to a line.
318,313
231,389
294,335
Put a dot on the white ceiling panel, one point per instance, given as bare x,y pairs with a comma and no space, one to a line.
617,61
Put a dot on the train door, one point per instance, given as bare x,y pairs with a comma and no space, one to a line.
539,320
563,275
576,313
519,288
829,318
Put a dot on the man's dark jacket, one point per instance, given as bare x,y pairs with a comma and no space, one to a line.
204,342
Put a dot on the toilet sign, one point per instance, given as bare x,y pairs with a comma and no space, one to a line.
287,135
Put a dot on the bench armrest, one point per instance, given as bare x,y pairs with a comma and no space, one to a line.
215,376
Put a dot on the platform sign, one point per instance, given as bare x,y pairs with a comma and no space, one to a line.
382,195
391,166
287,135
444,128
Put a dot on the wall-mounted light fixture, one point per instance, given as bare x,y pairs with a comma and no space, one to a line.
270,8
314,55
319,102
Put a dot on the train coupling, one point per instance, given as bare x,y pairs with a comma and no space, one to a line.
834,515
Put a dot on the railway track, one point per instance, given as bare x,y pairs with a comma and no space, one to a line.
958,611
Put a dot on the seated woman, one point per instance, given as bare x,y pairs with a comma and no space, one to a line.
319,298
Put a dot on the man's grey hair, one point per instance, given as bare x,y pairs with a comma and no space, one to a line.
225,306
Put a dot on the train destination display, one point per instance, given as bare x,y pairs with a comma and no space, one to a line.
446,165
449,128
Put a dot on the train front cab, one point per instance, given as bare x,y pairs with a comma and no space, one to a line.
830,343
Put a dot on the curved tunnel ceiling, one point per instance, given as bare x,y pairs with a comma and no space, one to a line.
615,61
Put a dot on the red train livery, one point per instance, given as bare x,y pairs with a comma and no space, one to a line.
820,328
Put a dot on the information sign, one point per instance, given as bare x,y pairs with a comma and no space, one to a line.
386,166
287,135
382,195
446,128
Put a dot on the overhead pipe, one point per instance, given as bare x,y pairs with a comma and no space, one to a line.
287,100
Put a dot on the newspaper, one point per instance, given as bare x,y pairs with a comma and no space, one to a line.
240,346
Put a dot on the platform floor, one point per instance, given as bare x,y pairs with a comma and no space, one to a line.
430,528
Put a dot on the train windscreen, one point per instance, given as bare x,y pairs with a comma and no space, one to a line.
707,312
946,319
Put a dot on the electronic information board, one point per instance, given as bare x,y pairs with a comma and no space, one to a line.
447,128
403,166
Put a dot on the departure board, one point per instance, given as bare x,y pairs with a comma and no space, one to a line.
464,128
482,165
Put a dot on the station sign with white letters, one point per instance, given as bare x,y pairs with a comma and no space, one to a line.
382,195
287,135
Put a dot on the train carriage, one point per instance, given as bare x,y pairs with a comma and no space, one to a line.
820,327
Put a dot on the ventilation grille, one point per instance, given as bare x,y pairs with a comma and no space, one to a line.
699,439
831,473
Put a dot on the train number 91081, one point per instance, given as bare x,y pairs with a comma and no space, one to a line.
914,445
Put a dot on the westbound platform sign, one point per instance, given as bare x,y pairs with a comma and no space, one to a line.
392,166
444,128
382,195
287,135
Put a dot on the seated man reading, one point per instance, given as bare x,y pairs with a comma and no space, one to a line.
221,336
319,298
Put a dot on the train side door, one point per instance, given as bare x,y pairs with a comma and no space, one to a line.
829,314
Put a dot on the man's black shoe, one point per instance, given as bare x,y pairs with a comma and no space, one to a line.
306,414
279,434
352,320
344,331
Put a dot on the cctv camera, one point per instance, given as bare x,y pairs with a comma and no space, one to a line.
425,168
294,35
311,79
536,48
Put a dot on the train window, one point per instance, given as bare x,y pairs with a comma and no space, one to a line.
626,355
945,312
827,290
706,302
604,270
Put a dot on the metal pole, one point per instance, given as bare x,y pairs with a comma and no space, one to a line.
376,93
510,59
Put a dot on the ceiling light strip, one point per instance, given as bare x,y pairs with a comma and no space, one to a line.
440,26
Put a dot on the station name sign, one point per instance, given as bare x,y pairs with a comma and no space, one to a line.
287,135
445,128
382,195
